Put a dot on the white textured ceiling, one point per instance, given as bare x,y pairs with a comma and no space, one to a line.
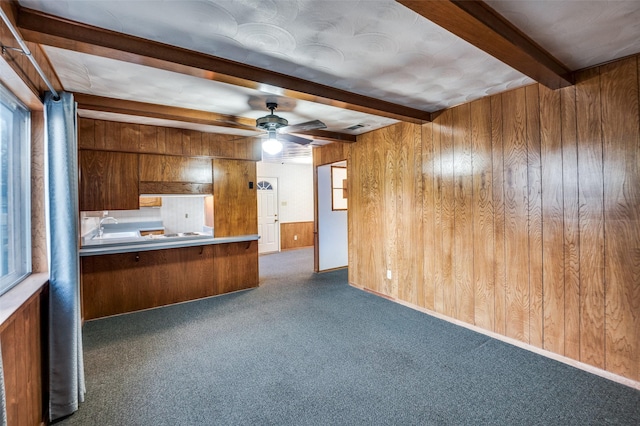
579,33
122,80
377,48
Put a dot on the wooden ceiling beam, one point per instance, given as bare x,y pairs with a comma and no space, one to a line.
329,136
164,112
143,109
50,30
477,23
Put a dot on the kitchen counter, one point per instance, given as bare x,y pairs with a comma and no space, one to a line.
136,244
127,277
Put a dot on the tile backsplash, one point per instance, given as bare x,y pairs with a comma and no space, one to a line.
182,214
178,214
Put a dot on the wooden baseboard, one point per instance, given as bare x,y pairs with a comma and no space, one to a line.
563,359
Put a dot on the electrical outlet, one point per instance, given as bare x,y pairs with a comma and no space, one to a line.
388,274
295,238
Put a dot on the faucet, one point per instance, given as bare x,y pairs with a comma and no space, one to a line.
101,228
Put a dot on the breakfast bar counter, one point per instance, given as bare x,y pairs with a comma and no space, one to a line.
128,276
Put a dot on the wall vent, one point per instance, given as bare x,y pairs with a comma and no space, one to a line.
355,127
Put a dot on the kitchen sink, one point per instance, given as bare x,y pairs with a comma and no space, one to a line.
114,235
179,235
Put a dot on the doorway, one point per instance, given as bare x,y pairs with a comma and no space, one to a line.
331,217
268,225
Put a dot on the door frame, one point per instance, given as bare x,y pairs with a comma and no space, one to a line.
277,226
318,162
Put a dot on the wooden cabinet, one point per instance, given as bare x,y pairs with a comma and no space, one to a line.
168,174
143,139
235,266
126,282
108,180
118,283
235,201
150,201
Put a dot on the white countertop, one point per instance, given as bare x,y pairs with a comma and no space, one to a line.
155,244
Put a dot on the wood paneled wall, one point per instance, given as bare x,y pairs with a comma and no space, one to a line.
235,200
385,211
518,213
39,261
295,235
129,137
22,357
331,153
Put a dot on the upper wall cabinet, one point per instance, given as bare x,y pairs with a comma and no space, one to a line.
144,139
108,180
168,174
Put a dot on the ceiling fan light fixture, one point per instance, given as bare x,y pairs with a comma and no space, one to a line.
271,122
272,145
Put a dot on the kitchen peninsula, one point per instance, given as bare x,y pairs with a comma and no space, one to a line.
127,271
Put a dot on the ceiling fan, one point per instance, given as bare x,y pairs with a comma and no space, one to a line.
274,126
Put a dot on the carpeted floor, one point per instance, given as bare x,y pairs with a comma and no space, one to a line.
308,349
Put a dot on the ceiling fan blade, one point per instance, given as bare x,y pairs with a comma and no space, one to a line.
294,139
308,125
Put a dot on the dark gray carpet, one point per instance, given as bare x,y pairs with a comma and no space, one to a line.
307,349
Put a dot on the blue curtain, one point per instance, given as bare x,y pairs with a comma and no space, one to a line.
66,370
3,403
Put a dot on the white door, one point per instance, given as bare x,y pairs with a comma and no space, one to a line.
333,235
268,226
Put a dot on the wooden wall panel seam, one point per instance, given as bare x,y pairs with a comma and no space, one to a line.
590,218
534,199
571,234
497,132
551,149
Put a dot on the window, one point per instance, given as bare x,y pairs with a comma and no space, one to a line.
264,185
338,188
15,191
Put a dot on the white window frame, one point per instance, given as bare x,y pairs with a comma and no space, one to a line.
15,169
338,189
